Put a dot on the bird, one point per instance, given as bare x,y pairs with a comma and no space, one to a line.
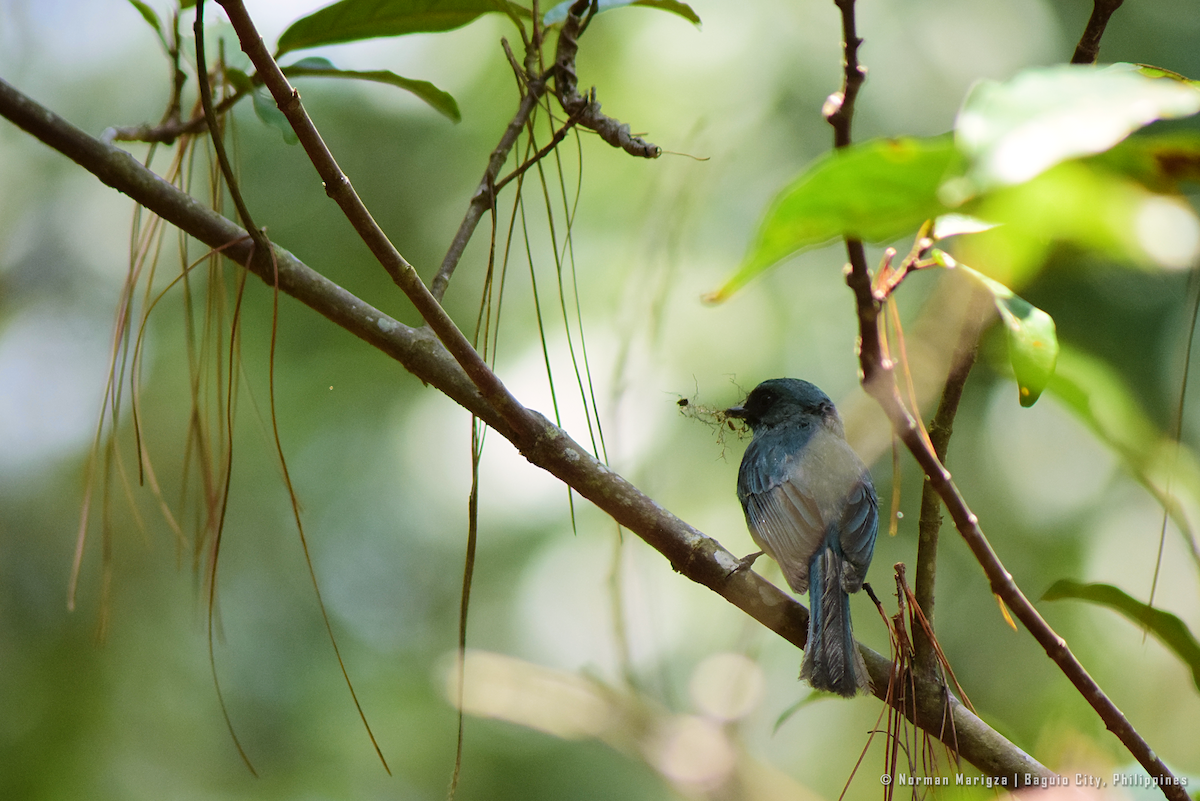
811,506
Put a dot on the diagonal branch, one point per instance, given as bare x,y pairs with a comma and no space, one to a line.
878,379
481,201
689,551
339,188
1089,44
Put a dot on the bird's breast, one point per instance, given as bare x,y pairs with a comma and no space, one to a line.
829,471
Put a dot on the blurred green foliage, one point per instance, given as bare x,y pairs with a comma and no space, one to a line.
1167,627
382,466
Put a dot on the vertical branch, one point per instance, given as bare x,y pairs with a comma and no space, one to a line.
839,108
1089,44
930,522
839,112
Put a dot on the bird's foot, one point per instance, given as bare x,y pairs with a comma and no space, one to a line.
747,562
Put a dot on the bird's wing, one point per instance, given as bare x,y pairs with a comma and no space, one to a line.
799,499
858,527
787,524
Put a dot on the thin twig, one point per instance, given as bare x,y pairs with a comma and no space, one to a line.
1177,435
477,431
558,136
214,131
889,278
169,130
690,552
904,657
481,201
178,76
917,621
839,108
1089,44
586,109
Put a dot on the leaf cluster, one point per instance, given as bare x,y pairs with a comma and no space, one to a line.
357,20
1034,162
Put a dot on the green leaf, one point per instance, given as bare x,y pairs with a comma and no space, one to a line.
876,191
673,6
268,112
557,14
152,20
1160,162
1076,203
949,225
441,101
1097,395
354,20
786,715
1168,628
1151,71
239,80
313,63
1015,130
1032,337
1032,345
1100,398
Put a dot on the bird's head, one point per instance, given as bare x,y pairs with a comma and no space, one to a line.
785,400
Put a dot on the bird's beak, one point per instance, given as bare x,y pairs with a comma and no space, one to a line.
736,411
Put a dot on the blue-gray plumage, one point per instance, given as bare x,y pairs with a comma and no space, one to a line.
810,505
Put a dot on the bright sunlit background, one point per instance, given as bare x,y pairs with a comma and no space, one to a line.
595,671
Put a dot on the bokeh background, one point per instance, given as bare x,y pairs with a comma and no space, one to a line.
595,670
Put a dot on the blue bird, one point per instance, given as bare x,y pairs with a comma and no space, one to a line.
810,505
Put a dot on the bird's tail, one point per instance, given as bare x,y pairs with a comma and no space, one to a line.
831,660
